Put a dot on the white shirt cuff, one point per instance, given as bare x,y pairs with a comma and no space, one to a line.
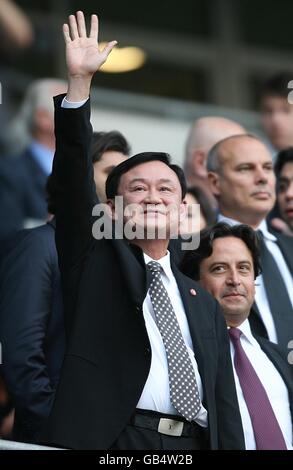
72,104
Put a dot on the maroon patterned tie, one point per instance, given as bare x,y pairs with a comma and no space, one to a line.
267,432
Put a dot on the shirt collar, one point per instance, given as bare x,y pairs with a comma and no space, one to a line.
246,332
227,220
164,262
263,227
43,156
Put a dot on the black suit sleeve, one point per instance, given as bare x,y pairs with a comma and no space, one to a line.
25,304
74,190
230,430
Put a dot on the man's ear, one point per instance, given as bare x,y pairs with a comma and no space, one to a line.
183,211
199,163
214,183
111,209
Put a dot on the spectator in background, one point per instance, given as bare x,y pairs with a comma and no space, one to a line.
107,151
226,264
32,327
284,174
243,181
204,133
23,177
15,25
195,195
276,111
16,34
31,309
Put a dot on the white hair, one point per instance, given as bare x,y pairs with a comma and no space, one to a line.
39,95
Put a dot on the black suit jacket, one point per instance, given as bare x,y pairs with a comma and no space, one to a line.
32,327
105,283
22,192
284,326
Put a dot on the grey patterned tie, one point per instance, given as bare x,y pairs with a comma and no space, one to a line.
184,392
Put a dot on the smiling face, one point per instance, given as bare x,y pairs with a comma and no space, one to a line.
228,275
155,190
245,183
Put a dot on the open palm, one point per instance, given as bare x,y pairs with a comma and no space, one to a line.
83,56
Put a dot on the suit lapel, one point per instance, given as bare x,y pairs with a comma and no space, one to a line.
138,279
256,322
133,268
276,356
192,309
287,250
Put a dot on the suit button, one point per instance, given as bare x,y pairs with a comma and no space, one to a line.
137,308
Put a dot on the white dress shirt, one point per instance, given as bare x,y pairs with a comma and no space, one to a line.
72,104
156,392
273,383
261,298
42,155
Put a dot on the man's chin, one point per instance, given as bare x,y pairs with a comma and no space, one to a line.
156,230
262,206
151,228
235,311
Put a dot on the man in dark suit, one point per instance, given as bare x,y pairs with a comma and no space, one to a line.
243,181
114,389
32,327
32,323
23,175
226,264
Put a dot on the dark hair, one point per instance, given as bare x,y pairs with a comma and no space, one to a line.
205,207
276,85
192,260
113,179
101,142
108,141
285,156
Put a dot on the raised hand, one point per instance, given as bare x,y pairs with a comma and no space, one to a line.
83,57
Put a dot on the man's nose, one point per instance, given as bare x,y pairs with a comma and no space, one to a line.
153,197
261,176
233,278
